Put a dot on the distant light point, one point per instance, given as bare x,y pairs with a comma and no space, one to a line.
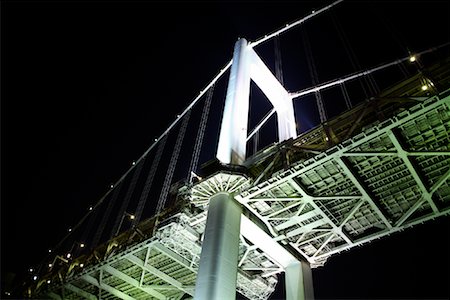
81,265
412,58
424,87
34,277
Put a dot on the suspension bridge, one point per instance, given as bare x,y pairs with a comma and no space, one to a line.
257,209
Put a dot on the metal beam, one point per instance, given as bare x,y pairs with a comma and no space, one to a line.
410,211
358,183
80,292
309,199
404,156
54,296
341,149
137,261
108,288
132,281
438,183
174,256
386,232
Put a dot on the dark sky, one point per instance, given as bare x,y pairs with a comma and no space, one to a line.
87,85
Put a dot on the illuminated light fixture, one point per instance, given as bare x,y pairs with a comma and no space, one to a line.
132,217
68,255
91,208
111,186
156,140
133,163
50,265
82,245
31,270
34,277
326,138
48,281
412,58
424,87
7,293
49,250
81,265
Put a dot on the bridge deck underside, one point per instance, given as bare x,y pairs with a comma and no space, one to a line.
324,200
390,176
164,267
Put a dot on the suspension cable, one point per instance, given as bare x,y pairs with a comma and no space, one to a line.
289,26
348,50
347,100
339,81
101,227
359,74
200,134
314,76
149,182
88,229
116,228
173,162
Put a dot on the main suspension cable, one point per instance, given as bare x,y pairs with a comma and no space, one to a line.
290,26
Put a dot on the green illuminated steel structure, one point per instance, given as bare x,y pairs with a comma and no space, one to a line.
374,170
377,169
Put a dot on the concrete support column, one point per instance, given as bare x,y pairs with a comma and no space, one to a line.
216,277
299,284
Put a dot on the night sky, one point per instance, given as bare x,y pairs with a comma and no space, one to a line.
87,86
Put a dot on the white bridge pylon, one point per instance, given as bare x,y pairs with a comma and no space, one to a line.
216,278
233,132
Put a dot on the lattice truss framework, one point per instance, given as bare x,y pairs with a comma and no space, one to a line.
165,266
389,177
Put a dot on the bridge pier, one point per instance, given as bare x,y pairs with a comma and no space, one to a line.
298,281
217,273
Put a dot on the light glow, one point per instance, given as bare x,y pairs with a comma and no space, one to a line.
68,255
50,265
424,87
81,265
412,58
82,245
34,277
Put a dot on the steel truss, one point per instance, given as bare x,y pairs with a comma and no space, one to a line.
389,177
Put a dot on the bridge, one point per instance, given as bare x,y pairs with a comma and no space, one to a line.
253,212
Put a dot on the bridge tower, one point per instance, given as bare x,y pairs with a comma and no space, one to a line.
219,256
